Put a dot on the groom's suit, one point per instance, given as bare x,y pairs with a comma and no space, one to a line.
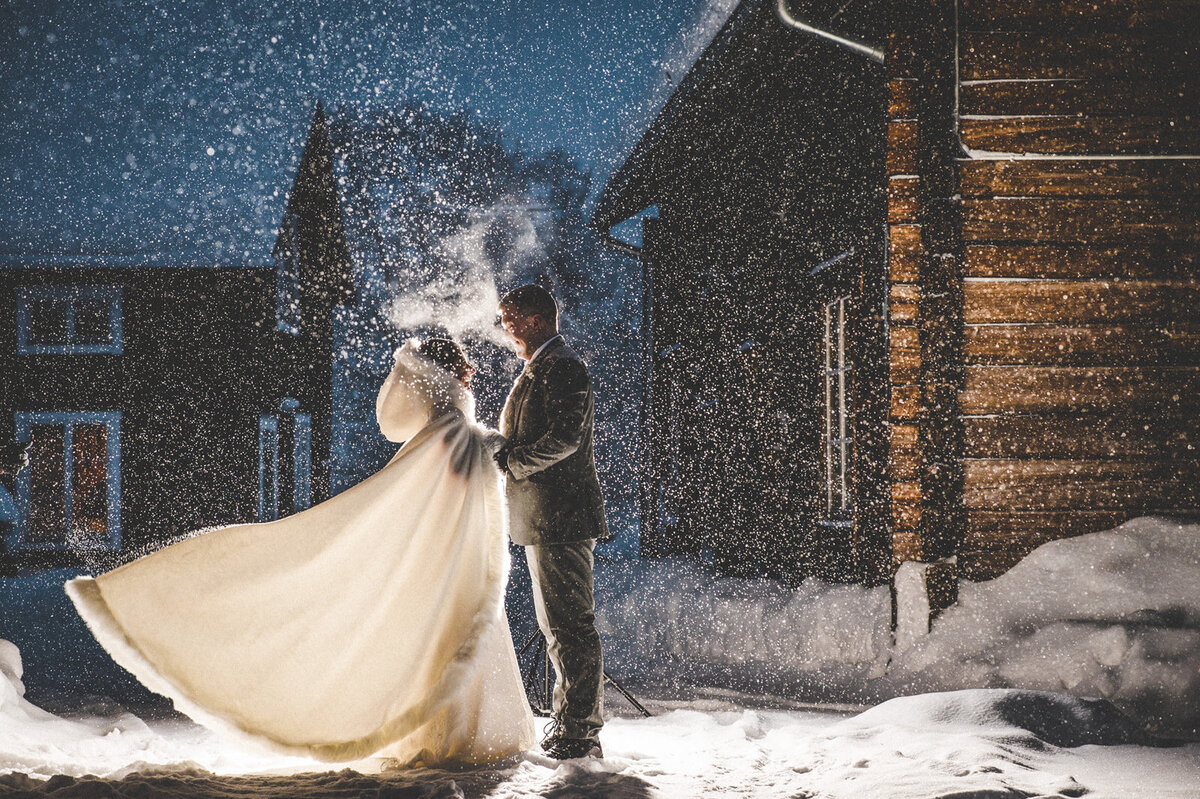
556,512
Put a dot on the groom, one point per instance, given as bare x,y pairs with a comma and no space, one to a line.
555,509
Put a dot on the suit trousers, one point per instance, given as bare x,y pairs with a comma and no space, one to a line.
563,599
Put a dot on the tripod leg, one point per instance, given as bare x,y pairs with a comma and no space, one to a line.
627,695
537,636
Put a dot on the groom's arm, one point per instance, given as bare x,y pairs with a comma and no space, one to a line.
568,398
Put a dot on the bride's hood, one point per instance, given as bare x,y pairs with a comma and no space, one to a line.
416,391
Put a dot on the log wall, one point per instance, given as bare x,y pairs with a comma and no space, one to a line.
924,303
1080,236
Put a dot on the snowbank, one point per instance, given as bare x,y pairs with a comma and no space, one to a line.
1113,614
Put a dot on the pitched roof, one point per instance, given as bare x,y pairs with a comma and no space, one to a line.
627,191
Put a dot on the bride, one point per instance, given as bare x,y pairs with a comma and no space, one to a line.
370,624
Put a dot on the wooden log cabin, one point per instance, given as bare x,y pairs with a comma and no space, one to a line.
973,256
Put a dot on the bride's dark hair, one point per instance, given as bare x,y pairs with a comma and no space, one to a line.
447,354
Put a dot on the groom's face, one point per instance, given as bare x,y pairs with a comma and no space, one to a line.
522,329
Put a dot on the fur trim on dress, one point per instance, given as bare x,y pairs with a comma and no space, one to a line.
416,392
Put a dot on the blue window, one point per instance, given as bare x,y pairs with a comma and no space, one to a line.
70,496
268,467
287,277
71,320
302,461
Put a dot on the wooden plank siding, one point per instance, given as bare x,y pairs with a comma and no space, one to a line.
1080,223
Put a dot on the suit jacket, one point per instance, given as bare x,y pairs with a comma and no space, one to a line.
551,484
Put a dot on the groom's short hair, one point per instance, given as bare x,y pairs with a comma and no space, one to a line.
529,299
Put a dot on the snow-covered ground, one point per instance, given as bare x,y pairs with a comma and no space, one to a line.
989,705
967,743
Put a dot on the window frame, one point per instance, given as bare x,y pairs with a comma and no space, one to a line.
302,461
836,411
25,420
268,423
70,293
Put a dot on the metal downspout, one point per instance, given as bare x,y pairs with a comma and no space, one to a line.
785,16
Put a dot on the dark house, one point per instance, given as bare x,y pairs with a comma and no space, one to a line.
161,399
929,298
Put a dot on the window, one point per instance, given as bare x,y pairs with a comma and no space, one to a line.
302,461
69,497
268,468
288,432
837,435
287,277
69,320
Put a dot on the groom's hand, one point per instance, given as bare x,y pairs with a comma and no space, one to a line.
501,457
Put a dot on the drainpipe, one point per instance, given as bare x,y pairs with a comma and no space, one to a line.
785,16
620,246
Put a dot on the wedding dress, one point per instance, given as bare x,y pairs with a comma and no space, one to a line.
372,623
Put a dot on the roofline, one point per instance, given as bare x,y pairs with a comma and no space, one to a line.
617,184
149,261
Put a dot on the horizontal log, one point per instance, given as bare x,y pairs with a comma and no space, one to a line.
994,541
901,156
906,515
902,96
903,299
1042,220
1082,345
906,402
1042,178
904,253
1074,261
907,545
1066,135
1081,437
1094,345
1080,301
1136,486
1079,98
902,199
1055,389
904,454
1155,57
904,356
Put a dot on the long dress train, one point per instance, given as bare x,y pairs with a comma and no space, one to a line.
372,623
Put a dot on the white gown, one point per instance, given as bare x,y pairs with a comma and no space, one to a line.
370,624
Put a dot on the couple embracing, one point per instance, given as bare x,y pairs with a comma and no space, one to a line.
373,623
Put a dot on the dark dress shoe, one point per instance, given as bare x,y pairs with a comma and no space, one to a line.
571,748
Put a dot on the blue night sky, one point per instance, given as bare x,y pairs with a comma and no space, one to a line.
169,132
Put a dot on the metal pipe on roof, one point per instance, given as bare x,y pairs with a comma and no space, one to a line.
785,16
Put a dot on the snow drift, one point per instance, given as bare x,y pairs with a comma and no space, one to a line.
1114,615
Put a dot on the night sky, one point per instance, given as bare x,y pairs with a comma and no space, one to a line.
168,133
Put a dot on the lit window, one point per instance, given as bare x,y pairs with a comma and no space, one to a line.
268,468
69,320
69,497
287,277
837,435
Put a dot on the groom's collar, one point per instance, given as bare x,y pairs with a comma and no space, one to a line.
539,350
